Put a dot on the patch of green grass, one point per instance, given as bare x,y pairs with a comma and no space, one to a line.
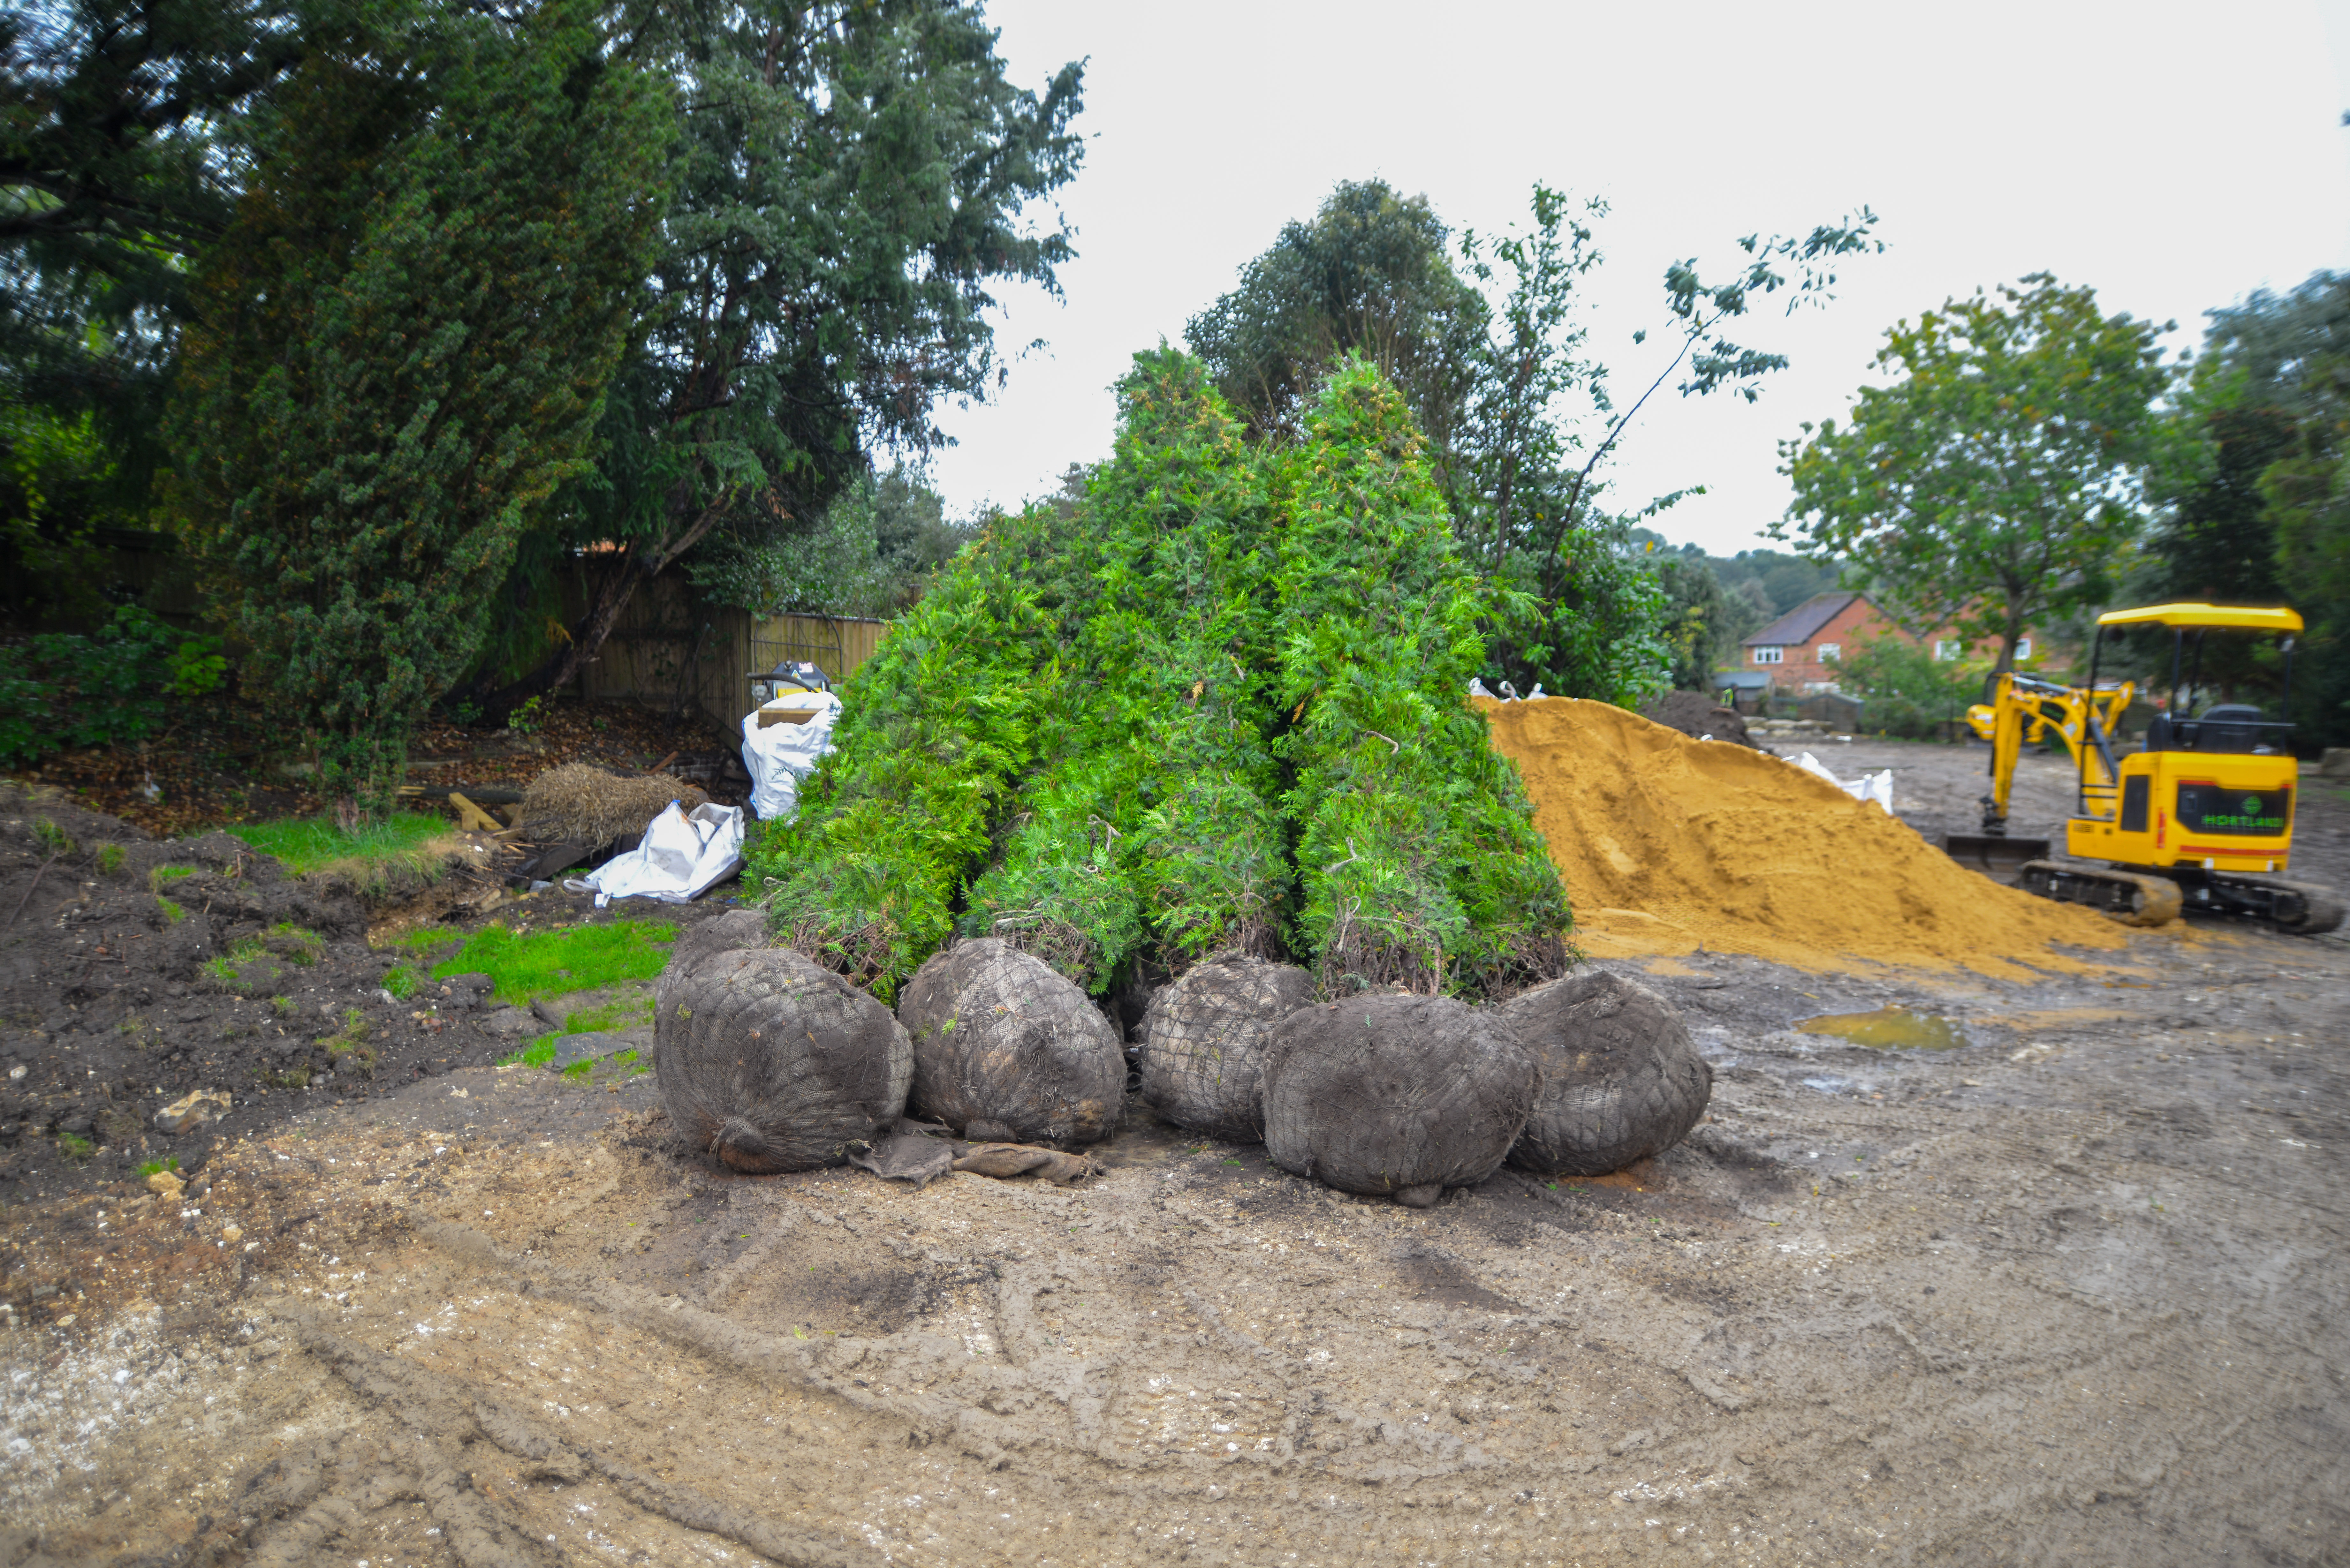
109,858
367,855
569,958
286,1078
169,1162
294,943
172,913
538,1054
53,838
285,1005
580,1069
163,877
621,1014
351,1046
76,1147
401,983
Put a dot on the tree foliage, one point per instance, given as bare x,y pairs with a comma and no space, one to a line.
122,140
401,351
1485,338
851,182
1213,699
872,554
1996,478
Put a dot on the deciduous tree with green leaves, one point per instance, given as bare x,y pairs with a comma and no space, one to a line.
1996,478
400,351
1486,341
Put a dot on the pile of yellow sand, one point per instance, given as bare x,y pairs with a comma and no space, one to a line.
1667,844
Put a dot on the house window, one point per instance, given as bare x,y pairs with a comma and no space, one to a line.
1945,648
1831,651
1770,655
2023,648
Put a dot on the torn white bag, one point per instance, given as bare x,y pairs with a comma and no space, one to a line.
779,756
1878,786
679,857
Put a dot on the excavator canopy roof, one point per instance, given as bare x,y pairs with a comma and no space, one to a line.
2205,614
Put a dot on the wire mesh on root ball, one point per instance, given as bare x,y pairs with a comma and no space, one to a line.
1007,1051
1621,1077
770,1062
1204,1038
1398,1096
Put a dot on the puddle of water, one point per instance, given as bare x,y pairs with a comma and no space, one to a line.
1889,1029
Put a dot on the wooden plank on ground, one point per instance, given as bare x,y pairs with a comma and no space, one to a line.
471,816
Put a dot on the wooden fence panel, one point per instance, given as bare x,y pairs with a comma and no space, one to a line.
670,647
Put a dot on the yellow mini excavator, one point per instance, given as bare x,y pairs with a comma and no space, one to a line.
2202,818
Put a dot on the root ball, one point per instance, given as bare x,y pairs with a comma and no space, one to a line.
1204,1039
1621,1078
1007,1050
771,1062
1395,1095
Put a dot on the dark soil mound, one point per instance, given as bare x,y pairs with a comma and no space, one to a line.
1203,1044
771,1062
1402,1096
1696,715
1621,1078
133,971
1007,1051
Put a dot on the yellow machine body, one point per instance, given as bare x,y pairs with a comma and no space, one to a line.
2213,811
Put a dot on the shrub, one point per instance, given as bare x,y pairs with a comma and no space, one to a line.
61,690
1904,689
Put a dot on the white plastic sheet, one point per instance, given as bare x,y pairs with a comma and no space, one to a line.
1878,786
680,858
779,756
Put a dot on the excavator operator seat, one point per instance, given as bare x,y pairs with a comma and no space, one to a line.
2230,727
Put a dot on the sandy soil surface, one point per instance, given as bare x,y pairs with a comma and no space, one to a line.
2071,1290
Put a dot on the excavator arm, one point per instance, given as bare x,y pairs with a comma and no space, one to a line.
2083,718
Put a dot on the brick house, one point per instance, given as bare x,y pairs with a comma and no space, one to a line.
1793,649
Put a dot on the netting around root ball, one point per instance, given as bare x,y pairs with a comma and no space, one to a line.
1397,1096
578,803
1204,1039
1006,1046
772,1063
1621,1077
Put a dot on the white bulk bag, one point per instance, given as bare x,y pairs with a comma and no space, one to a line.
779,756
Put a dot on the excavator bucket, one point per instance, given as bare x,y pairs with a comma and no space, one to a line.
1999,858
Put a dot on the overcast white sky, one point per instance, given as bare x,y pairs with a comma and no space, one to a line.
2173,156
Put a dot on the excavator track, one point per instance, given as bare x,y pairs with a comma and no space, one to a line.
2129,897
2297,909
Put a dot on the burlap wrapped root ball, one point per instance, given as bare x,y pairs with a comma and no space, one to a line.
1621,1078
769,1061
1395,1095
1204,1039
1007,1051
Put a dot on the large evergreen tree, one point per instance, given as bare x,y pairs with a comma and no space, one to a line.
851,183
400,351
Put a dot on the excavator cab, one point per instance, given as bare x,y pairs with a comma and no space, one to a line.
2200,816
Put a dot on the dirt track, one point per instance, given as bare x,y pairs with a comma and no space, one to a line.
2073,1292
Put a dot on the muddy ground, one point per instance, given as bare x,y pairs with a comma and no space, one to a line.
2071,1290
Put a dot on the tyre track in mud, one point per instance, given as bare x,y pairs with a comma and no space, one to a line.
2044,1313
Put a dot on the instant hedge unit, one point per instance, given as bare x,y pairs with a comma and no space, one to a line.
1214,703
